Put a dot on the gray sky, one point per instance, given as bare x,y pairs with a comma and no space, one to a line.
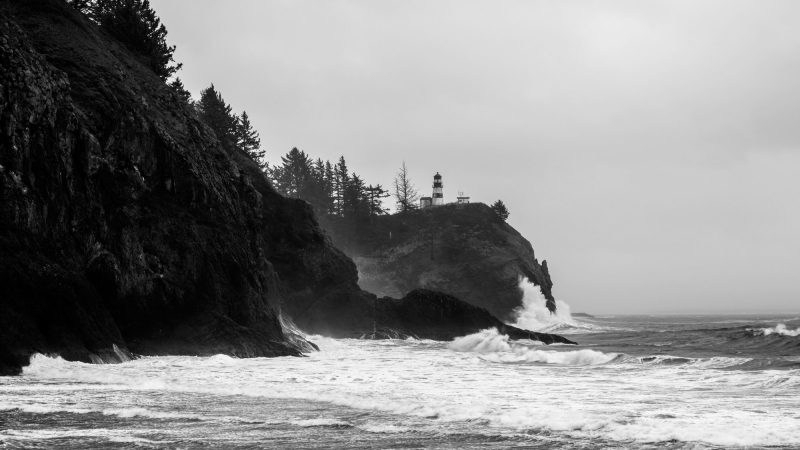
648,150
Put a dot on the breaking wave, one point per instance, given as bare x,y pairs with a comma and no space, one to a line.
125,413
492,346
295,336
533,314
321,422
486,341
715,362
495,347
782,330
492,386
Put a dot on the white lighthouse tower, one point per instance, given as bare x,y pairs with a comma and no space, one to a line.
438,195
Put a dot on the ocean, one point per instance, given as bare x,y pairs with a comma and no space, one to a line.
633,382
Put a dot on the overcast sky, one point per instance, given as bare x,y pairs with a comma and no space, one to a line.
649,150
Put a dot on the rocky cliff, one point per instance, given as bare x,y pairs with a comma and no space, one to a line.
123,221
125,227
462,250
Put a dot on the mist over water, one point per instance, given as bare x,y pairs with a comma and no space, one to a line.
634,382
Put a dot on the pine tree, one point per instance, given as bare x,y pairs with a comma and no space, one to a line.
355,200
328,188
218,116
500,209
329,178
319,191
313,189
375,195
295,173
275,175
136,25
341,179
180,90
318,171
405,193
248,141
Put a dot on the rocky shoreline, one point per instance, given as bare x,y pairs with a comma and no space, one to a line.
126,228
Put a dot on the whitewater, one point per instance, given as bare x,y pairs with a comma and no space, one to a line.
633,382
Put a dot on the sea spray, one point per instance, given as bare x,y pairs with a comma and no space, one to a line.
487,391
584,357
295,336
120,354
534,315
486,341
495,347
782,330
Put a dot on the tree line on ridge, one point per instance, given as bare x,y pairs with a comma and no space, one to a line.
331,189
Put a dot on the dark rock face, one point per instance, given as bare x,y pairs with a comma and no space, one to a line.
422,314
462,250
123,221
434,315
126,228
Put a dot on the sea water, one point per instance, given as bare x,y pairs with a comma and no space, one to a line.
633,382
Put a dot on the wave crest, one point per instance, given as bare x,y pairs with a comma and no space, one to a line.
533,313
486,341
782,330
495,347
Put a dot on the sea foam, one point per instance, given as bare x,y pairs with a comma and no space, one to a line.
495,347
483,384
533,313
782,330
486,341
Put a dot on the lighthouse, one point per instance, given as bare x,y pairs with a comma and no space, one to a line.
438,195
